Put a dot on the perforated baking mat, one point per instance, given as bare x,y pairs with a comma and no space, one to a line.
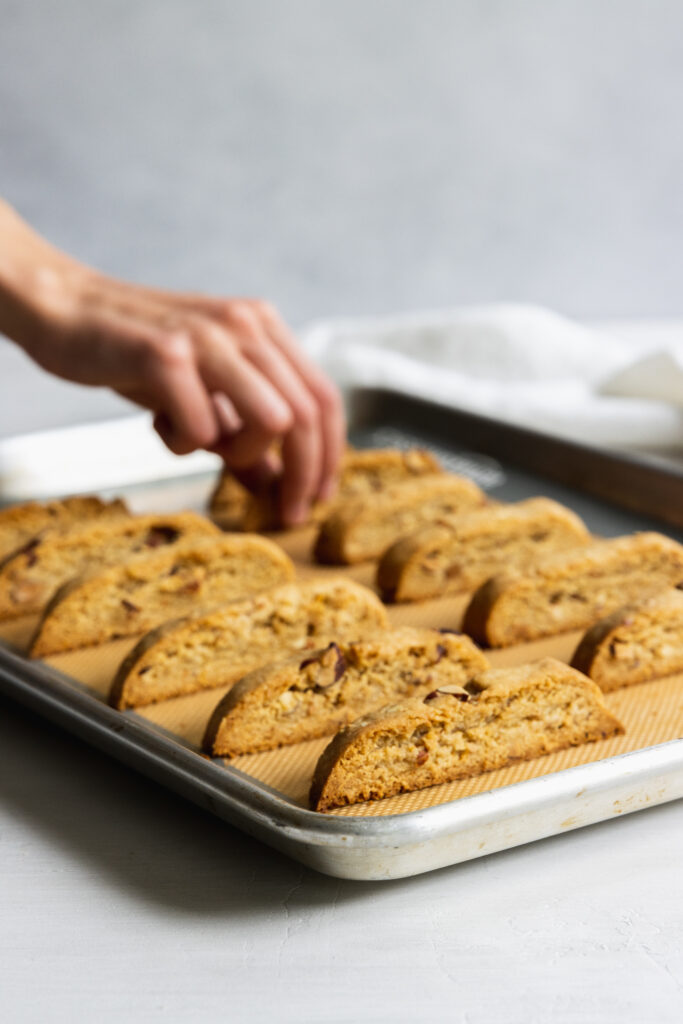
652,713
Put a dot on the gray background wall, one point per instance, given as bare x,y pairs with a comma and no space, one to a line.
358,156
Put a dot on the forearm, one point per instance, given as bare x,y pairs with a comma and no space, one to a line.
34,282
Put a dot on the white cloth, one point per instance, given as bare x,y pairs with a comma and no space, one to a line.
520,363
523,364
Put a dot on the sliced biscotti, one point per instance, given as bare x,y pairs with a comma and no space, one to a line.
29,578
573,589
19,524
364,528
500,716
149,589
364,472
218,649
448,558
639,642
302,698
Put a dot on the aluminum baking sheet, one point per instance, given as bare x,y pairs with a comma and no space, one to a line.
406,835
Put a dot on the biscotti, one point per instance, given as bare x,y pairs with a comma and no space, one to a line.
165,584
571,590
637,643
448,558
218,649
29,578
365,472
502,715
364,528
19,524
300,699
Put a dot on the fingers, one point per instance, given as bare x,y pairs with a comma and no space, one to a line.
185,419
227,375
264,413
302,446
332,421
313,457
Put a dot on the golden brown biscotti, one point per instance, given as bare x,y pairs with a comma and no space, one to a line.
218,649
364,528
300,699
502,715
637,643
571,590
29,578
364,472
194,575
19,524
448,558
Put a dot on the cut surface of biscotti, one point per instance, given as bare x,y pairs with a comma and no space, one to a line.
447,558
573,589
364,528
218,649
165,584
500,716
19,524
639,642
364,472
29,579
303,698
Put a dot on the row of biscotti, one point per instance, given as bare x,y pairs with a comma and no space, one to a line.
316,691
382,495
411,709
363,474
497,717
533,565
216,649
509,714
114,574
296,699
408,687
454,717
435,532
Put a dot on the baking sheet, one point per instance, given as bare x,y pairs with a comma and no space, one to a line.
265,794
651,712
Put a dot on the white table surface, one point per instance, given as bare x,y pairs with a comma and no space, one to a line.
118,896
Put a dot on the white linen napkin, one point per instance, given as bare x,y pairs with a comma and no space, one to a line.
523,364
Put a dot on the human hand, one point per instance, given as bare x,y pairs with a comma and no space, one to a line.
222,374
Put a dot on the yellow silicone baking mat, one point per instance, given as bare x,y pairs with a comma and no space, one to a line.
651,712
